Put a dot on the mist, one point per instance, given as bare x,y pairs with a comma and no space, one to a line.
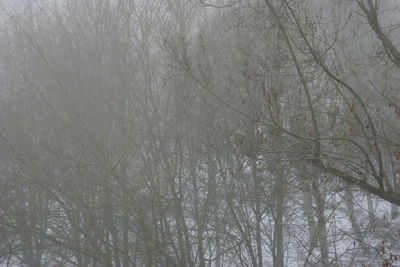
199,133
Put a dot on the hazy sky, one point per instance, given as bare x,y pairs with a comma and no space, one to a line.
14,5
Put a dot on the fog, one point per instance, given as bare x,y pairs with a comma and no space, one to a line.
199,133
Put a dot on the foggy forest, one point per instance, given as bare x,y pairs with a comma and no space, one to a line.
208,133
